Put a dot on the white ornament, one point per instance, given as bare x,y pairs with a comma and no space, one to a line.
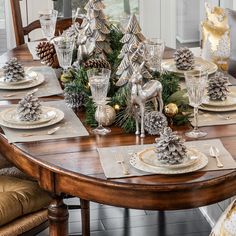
223,48
207,52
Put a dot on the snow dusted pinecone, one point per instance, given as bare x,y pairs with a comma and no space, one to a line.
13,71
218,87
184,59
97,63
170,148
29,108
47,54
154,122
74,97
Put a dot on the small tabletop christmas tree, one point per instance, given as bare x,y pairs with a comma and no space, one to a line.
98,29
29,108
170,148
13,71
132,36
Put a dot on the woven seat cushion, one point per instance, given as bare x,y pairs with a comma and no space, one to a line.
20,197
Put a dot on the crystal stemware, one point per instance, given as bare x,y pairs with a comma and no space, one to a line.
99,83
154,52
196,82
48,20
64,48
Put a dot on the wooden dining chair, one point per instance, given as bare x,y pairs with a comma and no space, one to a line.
21,32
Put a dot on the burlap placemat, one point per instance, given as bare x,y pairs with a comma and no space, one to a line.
71,127
112,169
49,87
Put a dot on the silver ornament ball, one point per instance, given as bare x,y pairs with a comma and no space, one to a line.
106,115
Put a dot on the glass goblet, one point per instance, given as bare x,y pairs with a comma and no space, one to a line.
196,82
99,83
48,20
154,52
64,48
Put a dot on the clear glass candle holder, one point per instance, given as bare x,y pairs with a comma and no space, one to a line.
154,53
48,20
64,48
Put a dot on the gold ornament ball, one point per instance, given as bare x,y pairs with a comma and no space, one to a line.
106,115
171,110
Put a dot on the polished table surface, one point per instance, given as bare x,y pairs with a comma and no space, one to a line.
72,166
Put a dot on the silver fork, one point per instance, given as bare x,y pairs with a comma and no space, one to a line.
215,153
120,160
49,132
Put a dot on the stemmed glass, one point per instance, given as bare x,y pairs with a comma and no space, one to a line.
154,52
99,83
64,48
196,82
48,20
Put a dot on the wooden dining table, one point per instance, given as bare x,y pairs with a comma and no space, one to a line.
71,166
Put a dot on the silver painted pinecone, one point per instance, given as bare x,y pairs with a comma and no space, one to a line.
170,148
29,108
184,59
74,100
218,87
154,122
13,71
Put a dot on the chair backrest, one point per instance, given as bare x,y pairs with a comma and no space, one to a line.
21,31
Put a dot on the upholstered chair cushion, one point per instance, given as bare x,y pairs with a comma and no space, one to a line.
14,172
226,225
20,197
4,163
232,25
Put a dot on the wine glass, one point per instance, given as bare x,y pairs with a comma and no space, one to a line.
99,83
48,20
154,52
196,82
64,48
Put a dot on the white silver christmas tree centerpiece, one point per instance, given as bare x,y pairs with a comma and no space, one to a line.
155,122
170,148
217,88
184,59
29,108
13,71
132,36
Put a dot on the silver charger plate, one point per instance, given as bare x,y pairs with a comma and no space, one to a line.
11,116
58,117
169,65
153,168
39,79
217,109
29,76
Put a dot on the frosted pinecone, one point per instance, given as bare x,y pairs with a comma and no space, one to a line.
184,59
170,148
218,87
29,108
13,71
154,122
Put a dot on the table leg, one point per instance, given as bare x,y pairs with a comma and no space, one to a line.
58,217
85,215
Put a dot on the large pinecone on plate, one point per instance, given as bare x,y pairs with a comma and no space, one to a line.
170,148
29,108
13,71
47,54
184,59
218,87
97,63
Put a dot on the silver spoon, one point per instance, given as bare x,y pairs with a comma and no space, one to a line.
215,153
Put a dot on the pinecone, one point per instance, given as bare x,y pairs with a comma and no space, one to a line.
170,148
154,122
47,54
184,59
218,87
13,71
29,108
97,63
73,95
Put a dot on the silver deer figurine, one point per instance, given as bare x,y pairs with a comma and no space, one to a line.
141,94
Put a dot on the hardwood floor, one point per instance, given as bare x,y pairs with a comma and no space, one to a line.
114,221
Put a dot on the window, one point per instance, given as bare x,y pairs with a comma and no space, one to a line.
3,41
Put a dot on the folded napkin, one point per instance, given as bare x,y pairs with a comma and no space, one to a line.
112,169
32,48
70,127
